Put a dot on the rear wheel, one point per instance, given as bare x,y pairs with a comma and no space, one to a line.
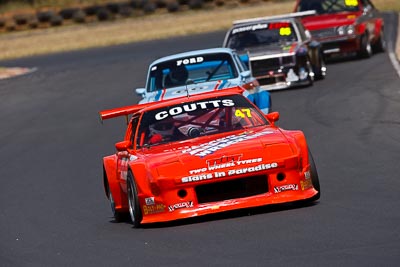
314,176
380,45
133,201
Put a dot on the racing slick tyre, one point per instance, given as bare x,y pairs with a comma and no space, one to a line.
118,216
314,177
310,71
320,69
133,201
380,45
365,47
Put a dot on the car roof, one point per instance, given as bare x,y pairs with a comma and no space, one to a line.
292,17
194,53
263,20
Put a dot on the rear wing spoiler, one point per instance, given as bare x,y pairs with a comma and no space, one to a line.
128,110
283,16
122,111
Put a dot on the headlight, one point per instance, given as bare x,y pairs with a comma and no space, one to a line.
350,29
342,30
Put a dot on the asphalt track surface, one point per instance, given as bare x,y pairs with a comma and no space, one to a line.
53,211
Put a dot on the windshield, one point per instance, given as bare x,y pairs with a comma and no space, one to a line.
243,37
196,119
329,6
194,69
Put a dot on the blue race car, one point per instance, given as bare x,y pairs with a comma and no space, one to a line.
201,71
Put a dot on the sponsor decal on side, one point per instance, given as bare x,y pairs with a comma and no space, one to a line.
122,167
223,162
286,187
221,174
181,205
205,149
305,184
149,201
255,27
156,208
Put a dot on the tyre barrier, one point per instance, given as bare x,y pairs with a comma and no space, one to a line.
196,4
68,13
45,16
125,10
172,6
104,12
149,7
22,19
79,16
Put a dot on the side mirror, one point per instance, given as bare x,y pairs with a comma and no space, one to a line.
272,117
141,91
245,74
123,146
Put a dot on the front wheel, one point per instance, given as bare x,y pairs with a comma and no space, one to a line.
320,70
118,216
133,201
365,47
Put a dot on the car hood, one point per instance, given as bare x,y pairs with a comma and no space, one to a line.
225,153
273,49
330,20
189,89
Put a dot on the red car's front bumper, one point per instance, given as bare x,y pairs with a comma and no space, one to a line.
340,44
170,206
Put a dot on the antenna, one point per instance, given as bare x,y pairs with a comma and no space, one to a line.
189,81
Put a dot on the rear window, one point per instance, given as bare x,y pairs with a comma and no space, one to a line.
247,36
328,6
196,69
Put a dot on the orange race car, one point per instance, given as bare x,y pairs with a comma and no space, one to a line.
204,154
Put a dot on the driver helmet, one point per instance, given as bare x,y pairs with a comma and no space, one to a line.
178,75
164,128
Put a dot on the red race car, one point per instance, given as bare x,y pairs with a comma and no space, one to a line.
203,154
345,26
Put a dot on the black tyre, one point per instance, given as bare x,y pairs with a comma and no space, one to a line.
133,201
173,6
365,47
68,13
320,69
45,16
118,216
380,45
310,71
314,177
